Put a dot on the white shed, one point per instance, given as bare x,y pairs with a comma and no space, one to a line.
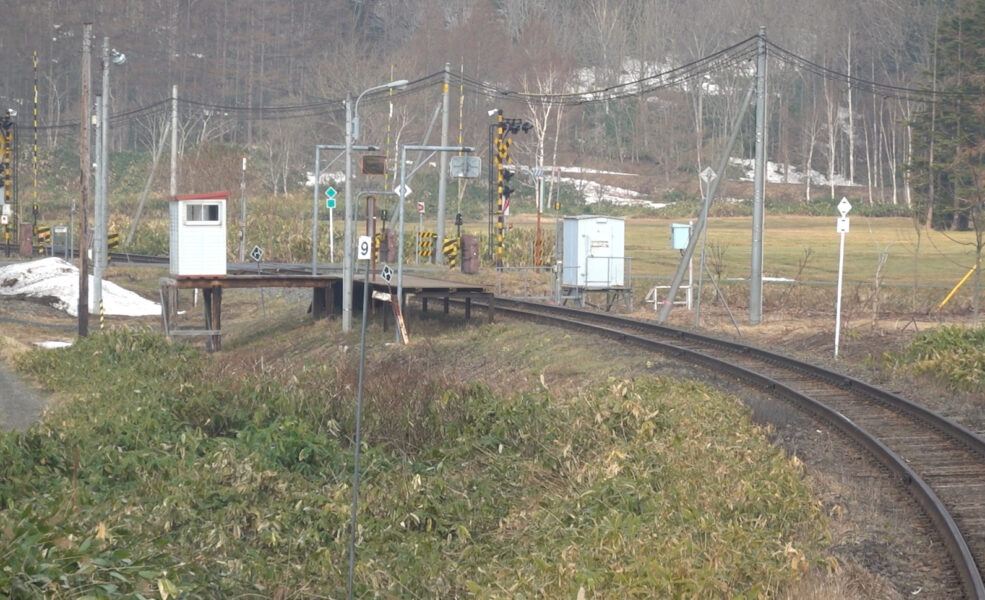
198,234
593,251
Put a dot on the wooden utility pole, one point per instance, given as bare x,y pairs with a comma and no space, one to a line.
84,178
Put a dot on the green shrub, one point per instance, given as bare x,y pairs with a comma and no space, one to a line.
953,354
158,478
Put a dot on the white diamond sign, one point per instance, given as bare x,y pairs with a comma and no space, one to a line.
402,190
844,206
708,174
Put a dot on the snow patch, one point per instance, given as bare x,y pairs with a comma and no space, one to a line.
51,345
775,174
56,282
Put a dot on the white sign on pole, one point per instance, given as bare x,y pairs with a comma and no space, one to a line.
708,174
365,247
420,207
844,207
402,190
842,228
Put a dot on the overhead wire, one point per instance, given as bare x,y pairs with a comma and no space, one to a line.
860,83
719,61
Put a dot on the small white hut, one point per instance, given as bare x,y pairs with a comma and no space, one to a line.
198,234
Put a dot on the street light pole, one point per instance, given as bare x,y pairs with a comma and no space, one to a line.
351,134
100,250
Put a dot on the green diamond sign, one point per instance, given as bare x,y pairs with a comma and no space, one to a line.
330,195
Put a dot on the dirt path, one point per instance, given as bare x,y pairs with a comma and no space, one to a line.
20,404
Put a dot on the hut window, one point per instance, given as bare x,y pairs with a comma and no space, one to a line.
202,213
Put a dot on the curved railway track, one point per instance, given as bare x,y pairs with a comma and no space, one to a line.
938,462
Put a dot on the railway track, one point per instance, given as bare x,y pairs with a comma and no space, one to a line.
938,462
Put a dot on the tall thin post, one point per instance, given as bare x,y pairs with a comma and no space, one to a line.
85,162
35,148
756,270
353,526
97,239
102,226
347,263
242,213
314,214
402,190
439,257
174,141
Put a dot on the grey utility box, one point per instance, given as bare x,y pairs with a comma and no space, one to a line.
593,251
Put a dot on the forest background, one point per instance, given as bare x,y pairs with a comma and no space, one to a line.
884,95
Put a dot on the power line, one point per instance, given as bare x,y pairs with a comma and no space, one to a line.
722,60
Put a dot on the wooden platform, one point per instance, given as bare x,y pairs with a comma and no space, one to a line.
326,293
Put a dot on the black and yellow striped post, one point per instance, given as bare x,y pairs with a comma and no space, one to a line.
425,243
450,248
113,241
502,158
44,238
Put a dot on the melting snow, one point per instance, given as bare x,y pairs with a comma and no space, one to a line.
56,282
775,174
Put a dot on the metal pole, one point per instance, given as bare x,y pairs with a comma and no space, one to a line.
102,221
756,271
314,214
97,241
402,190
841,270
85,164
359,418
242,213
347,228
439,257
174,141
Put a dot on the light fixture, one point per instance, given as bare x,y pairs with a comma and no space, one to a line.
493,111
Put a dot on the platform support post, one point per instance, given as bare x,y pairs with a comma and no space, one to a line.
213,317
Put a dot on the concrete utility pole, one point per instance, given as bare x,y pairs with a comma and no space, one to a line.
85,164
756,270
439,257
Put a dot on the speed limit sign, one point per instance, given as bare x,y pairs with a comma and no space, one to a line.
365,247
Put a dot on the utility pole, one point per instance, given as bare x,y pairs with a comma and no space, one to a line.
756,270
85,164
439,257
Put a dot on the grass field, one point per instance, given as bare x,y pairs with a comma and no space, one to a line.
888,251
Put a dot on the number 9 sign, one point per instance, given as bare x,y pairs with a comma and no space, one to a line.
365,247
